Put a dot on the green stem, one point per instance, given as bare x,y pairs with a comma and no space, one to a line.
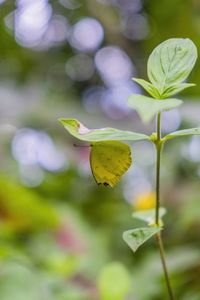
162,256
158,235
158,159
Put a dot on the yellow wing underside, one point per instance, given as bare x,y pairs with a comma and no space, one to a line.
109,160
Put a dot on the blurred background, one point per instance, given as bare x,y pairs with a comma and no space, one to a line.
60,234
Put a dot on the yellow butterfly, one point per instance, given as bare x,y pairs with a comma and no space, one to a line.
109,160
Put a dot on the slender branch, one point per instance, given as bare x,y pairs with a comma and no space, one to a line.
162,256
159,126
158,235
158,159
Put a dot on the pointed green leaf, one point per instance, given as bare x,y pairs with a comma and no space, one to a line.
148,215
175,89
171,62
136,237
79,131
148,108
169,91
114,282
185,132
149,87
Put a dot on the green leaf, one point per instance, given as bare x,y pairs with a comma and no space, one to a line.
149,87
170,63
170,91
175,89
79,131
136,237
114,282
185,132
148,108
148,215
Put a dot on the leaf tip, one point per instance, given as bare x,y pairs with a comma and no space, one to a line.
134,78
60,120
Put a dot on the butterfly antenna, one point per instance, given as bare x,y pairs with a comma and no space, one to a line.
81,146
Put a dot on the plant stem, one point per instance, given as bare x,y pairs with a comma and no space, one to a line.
162,256
158,159
158,235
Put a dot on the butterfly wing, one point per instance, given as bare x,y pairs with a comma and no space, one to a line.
109,160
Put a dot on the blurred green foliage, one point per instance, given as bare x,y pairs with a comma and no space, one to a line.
114,282
22,210
58,230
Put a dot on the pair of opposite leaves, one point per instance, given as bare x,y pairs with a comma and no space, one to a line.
109,160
